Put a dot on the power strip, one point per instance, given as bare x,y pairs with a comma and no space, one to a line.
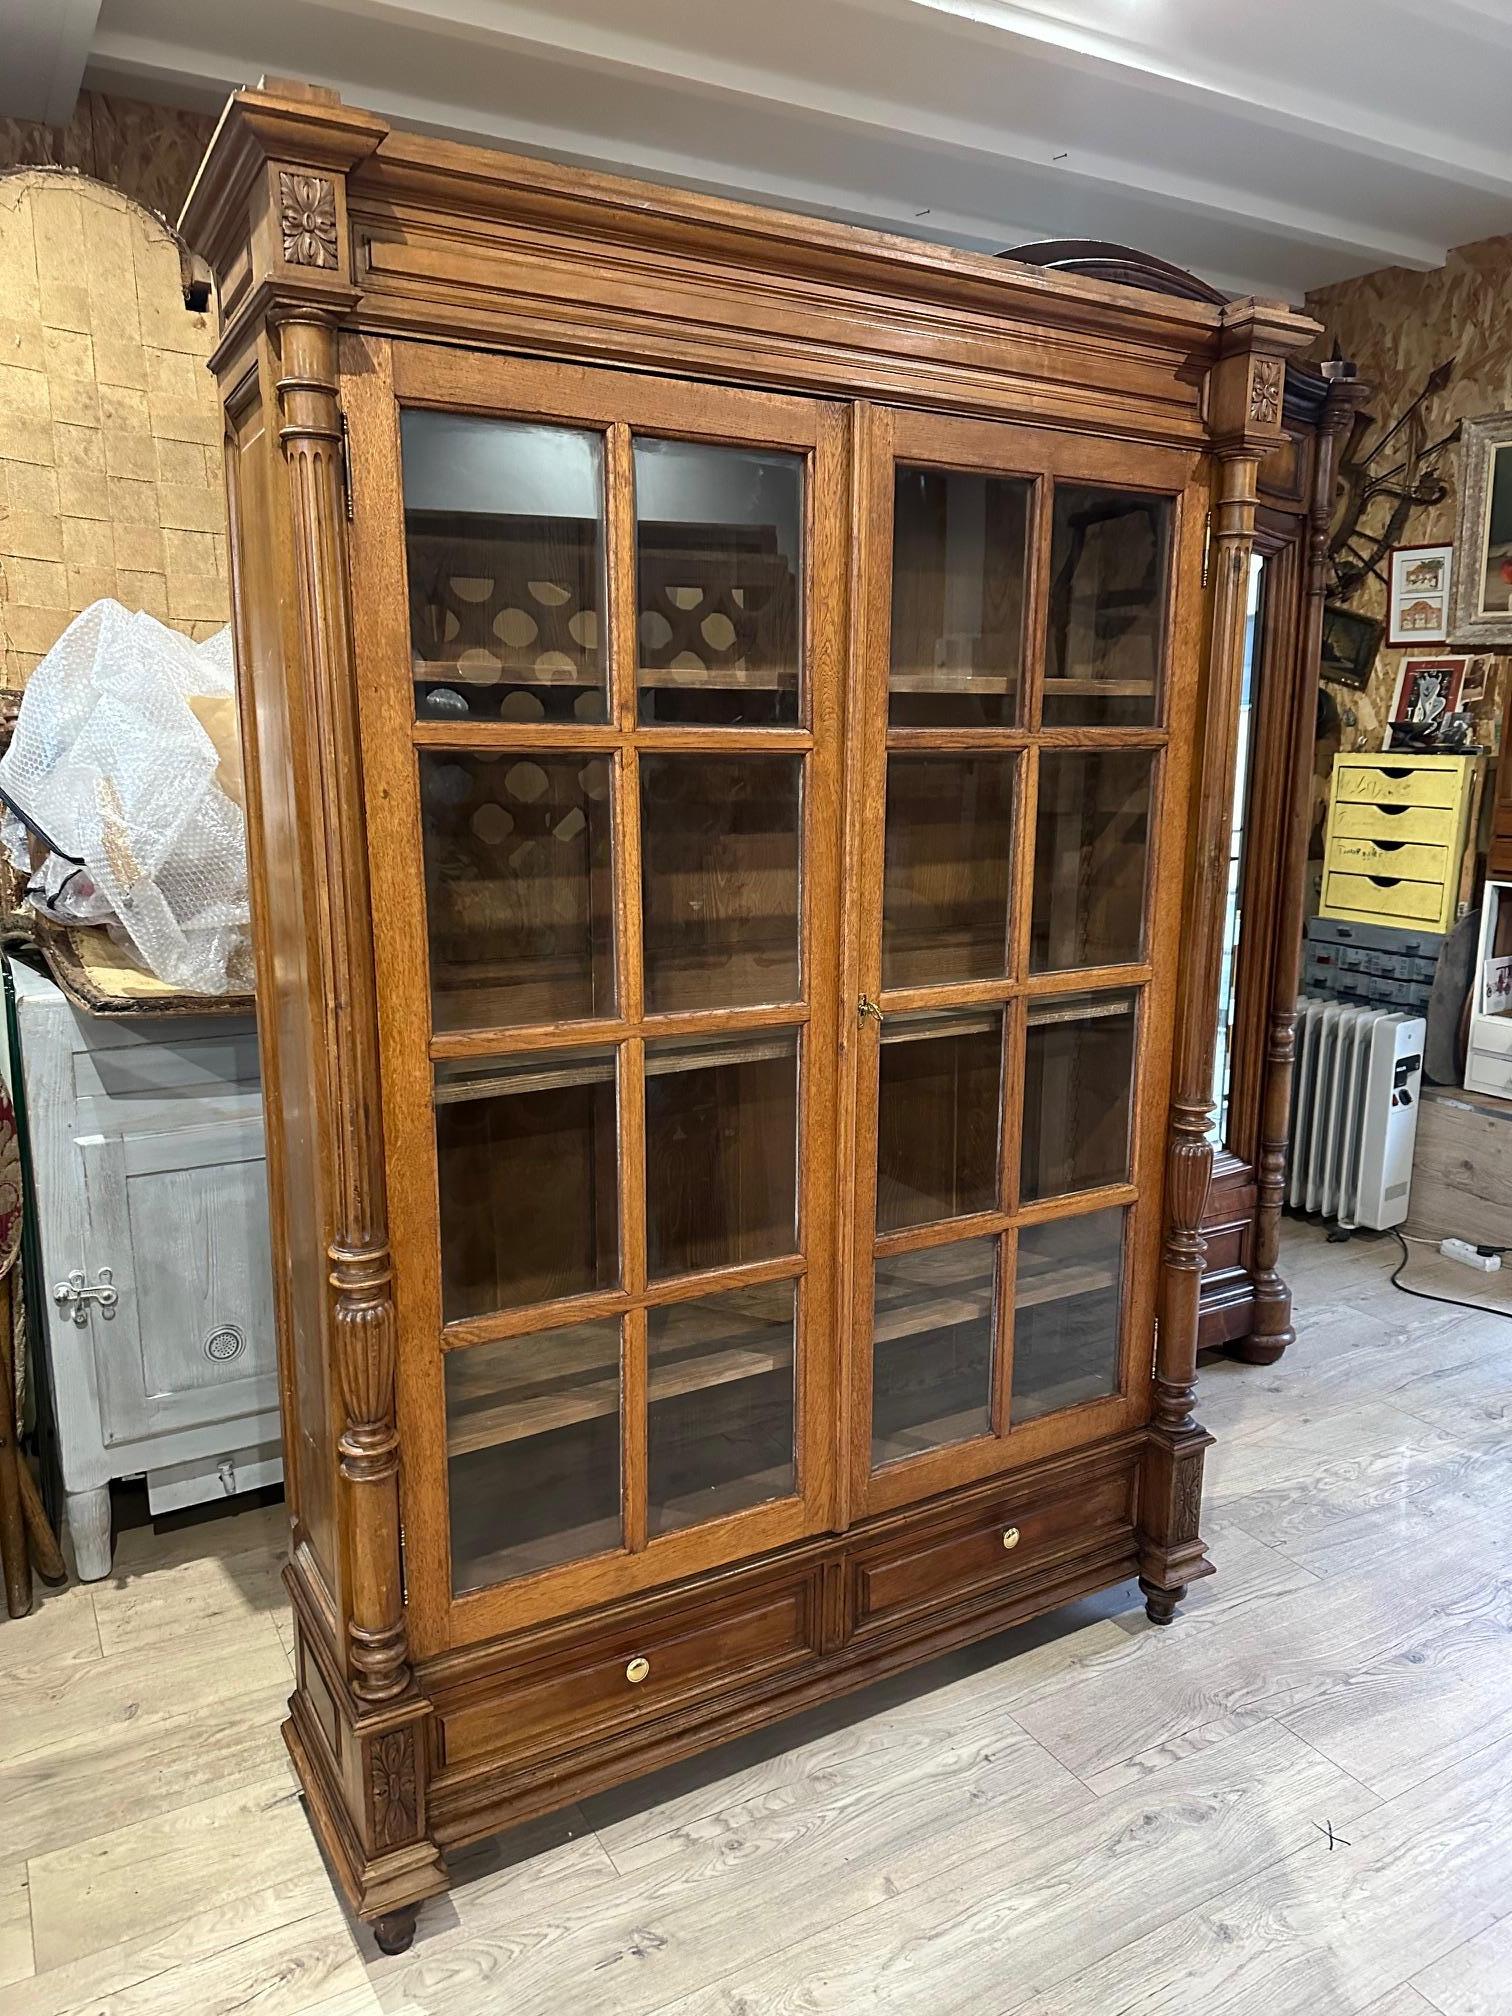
1469,1256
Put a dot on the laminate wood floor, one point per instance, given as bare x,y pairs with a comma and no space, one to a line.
1299,1798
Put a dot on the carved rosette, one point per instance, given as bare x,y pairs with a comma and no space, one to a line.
391,1774
1267,379
307,215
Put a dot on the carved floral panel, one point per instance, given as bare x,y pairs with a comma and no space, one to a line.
307,207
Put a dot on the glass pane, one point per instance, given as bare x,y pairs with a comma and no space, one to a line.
959,564
719,880
533,1452
1078,1069
721,1151
932,1356
937,1117
946,868
1090,840
719,561
518,888
1108,560
1067,1303
1223,1054
525,1157
503,529
719,1434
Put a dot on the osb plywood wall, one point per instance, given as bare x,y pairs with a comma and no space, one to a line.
1398,326
110,462
148,152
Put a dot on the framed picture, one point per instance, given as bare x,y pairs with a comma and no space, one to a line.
1481,603
1427,690
1350,644
1418,584
1477,681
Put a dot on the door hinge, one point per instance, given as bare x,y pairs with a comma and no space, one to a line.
346,464
1207,540
74,1295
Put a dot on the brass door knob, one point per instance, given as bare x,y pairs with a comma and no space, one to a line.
1011,1537
637,1670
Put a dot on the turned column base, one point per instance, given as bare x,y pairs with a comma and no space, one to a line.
1160,1604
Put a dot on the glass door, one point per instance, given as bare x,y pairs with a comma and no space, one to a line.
607,835
1023,745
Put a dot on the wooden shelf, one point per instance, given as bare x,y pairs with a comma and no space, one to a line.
949,1270
1102,689
446,672
941,680
574,1379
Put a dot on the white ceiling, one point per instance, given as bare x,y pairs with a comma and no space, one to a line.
1270,145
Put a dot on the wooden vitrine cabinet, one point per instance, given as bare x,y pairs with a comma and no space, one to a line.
738,719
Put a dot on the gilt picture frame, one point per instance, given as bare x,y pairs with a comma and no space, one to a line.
1481,599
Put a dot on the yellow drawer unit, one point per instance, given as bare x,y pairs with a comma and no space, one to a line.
1396,832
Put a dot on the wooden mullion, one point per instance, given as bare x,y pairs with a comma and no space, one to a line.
940,1232
1076,1203
723,741
949,994
1087,980
872,491
456,1045
1002,1356
623,589
1037,605
719,1280
501,1324
1011,1106
513,737
634,1431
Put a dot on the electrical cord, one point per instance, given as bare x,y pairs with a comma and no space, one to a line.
1423,1294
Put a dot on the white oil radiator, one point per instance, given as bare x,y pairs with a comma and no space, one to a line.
1354,1112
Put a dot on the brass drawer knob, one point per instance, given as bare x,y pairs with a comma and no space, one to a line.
637,1670
1011,1538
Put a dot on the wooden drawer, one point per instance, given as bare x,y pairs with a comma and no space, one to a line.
895,1579
1405,860
1492,1034
1383,897
581,1688
1436,824
1379,783
1488,1071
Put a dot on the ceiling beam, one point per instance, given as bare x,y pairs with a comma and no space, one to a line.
46,45
554,37
1249,97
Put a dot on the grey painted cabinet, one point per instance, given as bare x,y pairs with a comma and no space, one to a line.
147,1158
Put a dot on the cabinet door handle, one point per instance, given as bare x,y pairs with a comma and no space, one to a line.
1011,1538
866,1006
637,1670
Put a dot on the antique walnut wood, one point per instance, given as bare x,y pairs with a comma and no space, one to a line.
465,1661
1245,1304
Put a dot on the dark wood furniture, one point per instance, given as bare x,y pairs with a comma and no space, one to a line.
739,736
1246,1305
1499,850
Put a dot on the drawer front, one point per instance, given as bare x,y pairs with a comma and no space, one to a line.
1437,825
588,1689
1398,783
1488,1071
1406,860
1382,896
1492,1033
914,1572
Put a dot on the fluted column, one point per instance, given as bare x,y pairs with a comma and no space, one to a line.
360,1274
1272,1328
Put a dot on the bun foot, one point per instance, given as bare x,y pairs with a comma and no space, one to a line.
1256,1350
1160,1604
395,1930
